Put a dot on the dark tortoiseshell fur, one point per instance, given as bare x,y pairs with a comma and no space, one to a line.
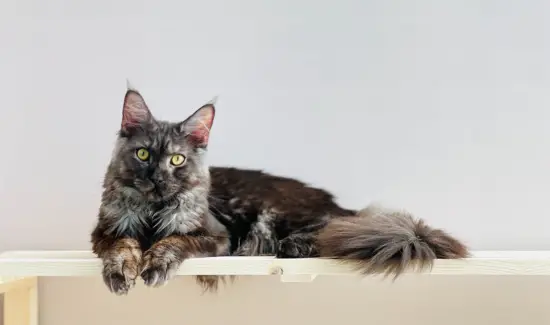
154,215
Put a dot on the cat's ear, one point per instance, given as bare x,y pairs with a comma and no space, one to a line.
197,126
134,111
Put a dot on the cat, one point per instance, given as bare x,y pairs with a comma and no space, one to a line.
154,206
154,215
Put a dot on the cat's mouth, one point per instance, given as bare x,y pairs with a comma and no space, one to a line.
149,190
153,192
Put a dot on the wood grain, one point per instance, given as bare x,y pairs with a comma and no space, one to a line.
84,263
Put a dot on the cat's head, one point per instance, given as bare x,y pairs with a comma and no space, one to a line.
160,160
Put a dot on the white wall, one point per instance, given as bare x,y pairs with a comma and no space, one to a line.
435,106
440,107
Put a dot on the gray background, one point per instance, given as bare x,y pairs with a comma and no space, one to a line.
439,107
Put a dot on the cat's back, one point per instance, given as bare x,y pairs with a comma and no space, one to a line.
259,190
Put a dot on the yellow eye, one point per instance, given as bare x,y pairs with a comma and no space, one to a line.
177,160
142,154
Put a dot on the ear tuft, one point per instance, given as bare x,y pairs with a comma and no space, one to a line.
135,111
129,85
213,101
197,126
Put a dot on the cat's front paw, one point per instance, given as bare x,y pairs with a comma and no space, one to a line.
121,268
159,266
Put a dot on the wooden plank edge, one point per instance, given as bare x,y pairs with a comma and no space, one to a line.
269,265
87,254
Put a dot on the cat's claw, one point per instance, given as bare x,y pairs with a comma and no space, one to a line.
118,284
158,269
120,274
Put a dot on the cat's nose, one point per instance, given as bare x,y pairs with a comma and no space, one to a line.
159,183
157,178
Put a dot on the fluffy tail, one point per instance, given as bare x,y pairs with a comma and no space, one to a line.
377,240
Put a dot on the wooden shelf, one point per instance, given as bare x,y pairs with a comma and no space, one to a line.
19,271
84,263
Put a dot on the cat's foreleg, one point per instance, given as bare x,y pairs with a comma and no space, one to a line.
161,261
121,257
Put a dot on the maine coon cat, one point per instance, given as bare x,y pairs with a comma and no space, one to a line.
161,204
154,207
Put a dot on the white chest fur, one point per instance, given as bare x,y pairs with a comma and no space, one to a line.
181,216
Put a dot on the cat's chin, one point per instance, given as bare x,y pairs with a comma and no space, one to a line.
139,194
155,198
